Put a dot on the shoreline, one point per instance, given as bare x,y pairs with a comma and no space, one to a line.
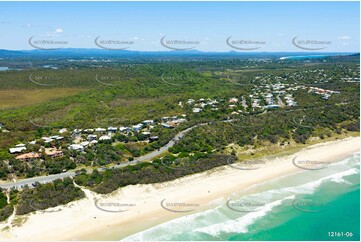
82,220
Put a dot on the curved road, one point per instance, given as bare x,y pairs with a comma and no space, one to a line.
149,156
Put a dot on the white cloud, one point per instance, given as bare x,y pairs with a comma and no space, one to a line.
344,37
56,32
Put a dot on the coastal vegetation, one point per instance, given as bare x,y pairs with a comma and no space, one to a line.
223,103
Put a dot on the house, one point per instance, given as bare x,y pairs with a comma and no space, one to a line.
165,119
153,138
112,129
84,143
100,130
88,131
53,152
146,133
16,150
63,130
57,137
196,110
124,129
76,131
272,106
148,122
48,140
92,137
93,142
233,100
166,125
137,127
28,156
105,137
76,147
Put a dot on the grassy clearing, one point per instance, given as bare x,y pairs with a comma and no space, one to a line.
18,98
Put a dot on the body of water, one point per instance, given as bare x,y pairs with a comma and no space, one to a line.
309,205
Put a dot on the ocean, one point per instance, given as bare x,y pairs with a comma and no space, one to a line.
310,205
300,57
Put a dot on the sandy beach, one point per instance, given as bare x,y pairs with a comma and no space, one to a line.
97,217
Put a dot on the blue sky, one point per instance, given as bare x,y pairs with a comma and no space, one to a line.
274,24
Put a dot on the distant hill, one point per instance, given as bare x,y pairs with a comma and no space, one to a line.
5,53
82,52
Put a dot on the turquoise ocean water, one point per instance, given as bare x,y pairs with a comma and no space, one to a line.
309,205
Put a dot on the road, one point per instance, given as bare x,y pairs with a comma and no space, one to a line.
147,157
280,102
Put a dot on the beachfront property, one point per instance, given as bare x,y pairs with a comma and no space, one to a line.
82,138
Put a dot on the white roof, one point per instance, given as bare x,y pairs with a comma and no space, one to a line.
85,143
104,137
123,128
63,130
16,150
76,147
